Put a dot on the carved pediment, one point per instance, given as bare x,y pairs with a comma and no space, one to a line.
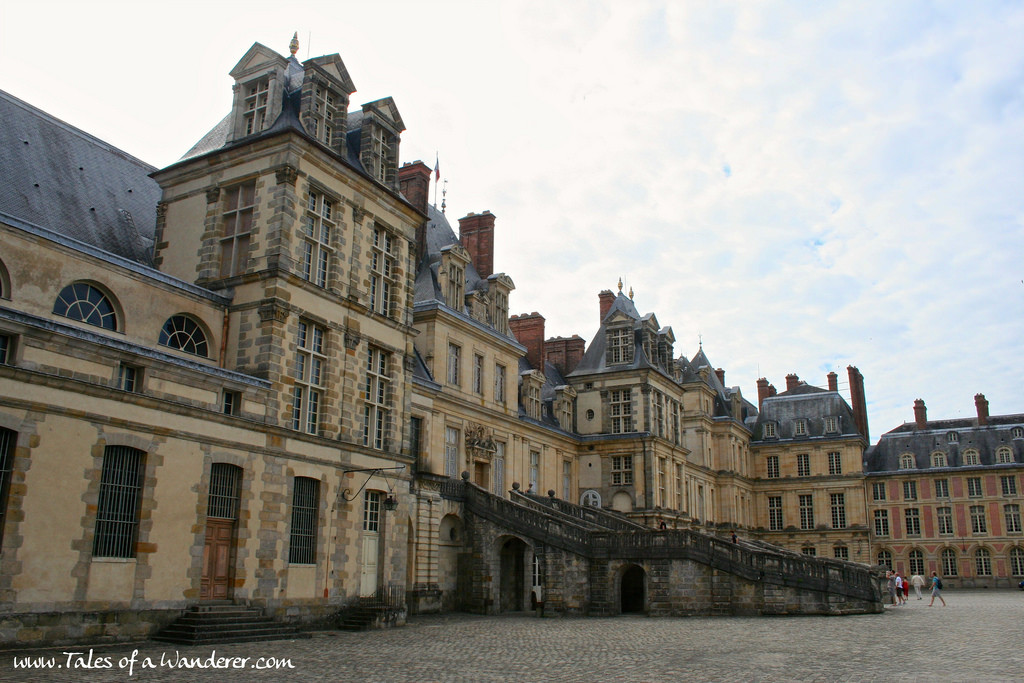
479,442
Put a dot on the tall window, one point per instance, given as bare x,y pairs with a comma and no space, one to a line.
81,301
910,490
454,360
1011,513
501,312
978,522
1017,561
451,452
621,406
622,470
800,428
974,487
8,440
381,153
129,377
499,468
942,488
371,511
499,383
878,491
885,559
773,466
535,470
531,397
375,412
317,227
383,260
1009,484
912,517
309,378
305,511
256,96
945,517
117,510
662,477
803,465
6,347
881,522
183,333
239,206
679,487
806,511
835,463
566,480
620,346
949,563
983,562
456,280
775,513
916,561
478,374
838,501
225,482
323,115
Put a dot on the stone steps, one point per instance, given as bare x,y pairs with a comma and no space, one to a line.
214,623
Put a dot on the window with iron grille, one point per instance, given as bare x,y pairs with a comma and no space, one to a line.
772,461
83,302
378,389
978,521
881,522
117,511
806,511
878,491
841,552
451,452
949,563
803,465
942,488
775,513
305,511
910,490
620,404
974,487
1011,513
912,517
239,209
371,511
310,372
1009,483
317,228
383,260
225,480
835,463
8,440
916,561
622,470
838,501
945,517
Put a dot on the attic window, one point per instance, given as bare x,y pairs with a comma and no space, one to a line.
323,115
769,430
953,437
256,97
381,154
831,424
620,346
800,428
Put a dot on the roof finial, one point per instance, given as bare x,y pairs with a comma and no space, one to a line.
700,342
444,194
620,285
631,292
293,46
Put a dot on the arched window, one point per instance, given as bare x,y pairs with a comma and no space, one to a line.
5,282
885,558
938,459
907,461
971,457
949,564
183,333
1004,455
916,558
81,301
590,498
983,562
1017,561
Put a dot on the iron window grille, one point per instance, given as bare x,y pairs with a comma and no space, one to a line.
305,511
225,481
117,511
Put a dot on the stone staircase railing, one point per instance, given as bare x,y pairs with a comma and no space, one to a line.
595,517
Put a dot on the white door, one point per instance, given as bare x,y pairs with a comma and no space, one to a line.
368,578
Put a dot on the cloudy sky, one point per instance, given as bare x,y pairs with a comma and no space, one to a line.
803,186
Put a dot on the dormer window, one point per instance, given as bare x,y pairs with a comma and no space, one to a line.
531,393
831,424
456,278
953,437
800,428
907,461
1018,432
257,95
620,346
323,115
938,459
620,407
501,312
769,430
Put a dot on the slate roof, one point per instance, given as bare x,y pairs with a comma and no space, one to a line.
594,358
810,403
63,179
439,234
907,438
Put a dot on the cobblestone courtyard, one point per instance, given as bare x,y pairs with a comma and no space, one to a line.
977,637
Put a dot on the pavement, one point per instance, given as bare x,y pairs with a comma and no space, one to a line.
976,637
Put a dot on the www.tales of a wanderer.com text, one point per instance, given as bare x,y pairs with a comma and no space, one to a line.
82,661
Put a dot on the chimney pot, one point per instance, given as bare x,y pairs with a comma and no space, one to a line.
792,381
721,376
981,403
607,298
762,392
833,381
920,414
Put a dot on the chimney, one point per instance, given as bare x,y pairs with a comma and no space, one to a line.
762,392
528,329
772,391
792,381
607,299
833,381
860,404
982,405
414,183
721,375
565,353
920,414
476,232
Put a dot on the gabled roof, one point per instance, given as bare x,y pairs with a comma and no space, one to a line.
334,68
63,179
256,59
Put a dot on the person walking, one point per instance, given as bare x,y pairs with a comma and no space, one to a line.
898,581
936,590
917,581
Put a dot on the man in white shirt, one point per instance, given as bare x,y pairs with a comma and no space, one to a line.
899,589
917,581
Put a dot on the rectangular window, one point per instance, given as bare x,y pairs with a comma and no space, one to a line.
803,465
1012,515
622,470
838,501
841,552
945,517
499,468
535,471
1009,484
566,480
800,428
378,389
231,402
478,374
910,490
129,378
317,227
773,466
305,511
257,94
806,511
6,348
383,264
323,115
679,487
662,477
949,563
416,437
499,383
239,208
809,551
309,376
621,407
371,511
831,425
912,516
620,346
117,510
881,522
775,513
451,452
769,430
974,487
942,488
8,440
978,522
878,491
381,153
454,357
835,463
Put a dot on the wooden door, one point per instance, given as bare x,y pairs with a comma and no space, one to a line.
216,580
368,578
480,472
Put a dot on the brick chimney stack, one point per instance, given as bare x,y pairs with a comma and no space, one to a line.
607,298
762,392
859,403
721,375
528,329
476,232
792,381
920,414
565,353
833,381
981,403
414,183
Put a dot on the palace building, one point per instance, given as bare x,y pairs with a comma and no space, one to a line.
255,374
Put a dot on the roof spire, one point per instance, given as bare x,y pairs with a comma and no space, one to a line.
293,46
